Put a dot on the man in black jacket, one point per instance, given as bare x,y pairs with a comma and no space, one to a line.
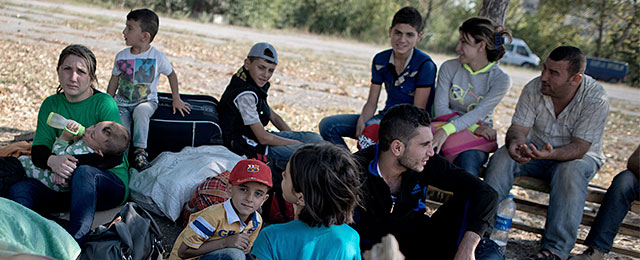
396,174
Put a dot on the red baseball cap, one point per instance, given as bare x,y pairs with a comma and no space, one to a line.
251,170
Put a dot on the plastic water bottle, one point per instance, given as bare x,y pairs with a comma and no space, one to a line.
506,211
57,121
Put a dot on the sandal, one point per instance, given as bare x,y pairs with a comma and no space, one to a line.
544,255
140,159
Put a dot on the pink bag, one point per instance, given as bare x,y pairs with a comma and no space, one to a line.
461,141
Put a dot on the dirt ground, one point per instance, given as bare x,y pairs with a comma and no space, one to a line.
317,76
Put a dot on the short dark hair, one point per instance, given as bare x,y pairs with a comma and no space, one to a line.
400,123
408,15
328,177
148,20
577,60
118,139
483,29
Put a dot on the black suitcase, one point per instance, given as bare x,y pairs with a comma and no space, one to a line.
169,132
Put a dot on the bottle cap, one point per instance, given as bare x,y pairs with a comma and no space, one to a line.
510,196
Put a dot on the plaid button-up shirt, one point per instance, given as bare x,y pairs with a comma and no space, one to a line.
584,117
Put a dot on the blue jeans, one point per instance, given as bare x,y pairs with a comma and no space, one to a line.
569,181
91,189
471,160
279,154
226,254
138,117
333,128
624,189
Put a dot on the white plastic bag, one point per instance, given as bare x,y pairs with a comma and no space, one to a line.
169,183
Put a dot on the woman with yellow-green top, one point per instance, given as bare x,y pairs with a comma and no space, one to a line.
96,182
472,85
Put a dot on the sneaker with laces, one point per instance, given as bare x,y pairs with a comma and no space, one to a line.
589,254
140,160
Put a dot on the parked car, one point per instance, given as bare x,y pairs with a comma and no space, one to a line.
607,70
518,53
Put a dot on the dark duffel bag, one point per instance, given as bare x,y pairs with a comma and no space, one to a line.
133,234
172,132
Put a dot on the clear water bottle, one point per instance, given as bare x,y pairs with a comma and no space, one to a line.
506,211
57,121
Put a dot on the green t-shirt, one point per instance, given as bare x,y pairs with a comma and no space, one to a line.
97,108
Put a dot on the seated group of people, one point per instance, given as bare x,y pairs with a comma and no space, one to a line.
344,203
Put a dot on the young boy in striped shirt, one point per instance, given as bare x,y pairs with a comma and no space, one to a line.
228,229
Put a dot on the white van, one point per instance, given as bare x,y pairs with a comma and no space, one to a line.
518,53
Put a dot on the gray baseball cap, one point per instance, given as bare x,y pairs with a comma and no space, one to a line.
265,51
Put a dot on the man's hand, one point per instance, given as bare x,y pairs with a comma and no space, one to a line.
486,132
240,241
516,154
467,248
532,152
438,140
180,106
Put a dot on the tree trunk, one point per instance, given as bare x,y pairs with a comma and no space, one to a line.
602,14
625,33
427,15
495,10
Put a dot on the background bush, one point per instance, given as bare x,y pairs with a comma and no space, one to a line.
601,28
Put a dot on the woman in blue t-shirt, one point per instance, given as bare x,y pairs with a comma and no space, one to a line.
322,182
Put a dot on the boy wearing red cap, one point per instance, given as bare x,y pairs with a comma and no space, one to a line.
227,230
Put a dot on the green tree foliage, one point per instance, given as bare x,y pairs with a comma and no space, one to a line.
602,28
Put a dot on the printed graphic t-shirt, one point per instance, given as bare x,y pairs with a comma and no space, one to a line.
139,74
419,72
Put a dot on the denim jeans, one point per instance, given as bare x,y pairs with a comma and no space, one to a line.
91,189
471,160
140,115
624,189
226,254
333,128
279,154
569,181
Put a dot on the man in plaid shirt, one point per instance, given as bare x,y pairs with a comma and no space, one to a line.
555,135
